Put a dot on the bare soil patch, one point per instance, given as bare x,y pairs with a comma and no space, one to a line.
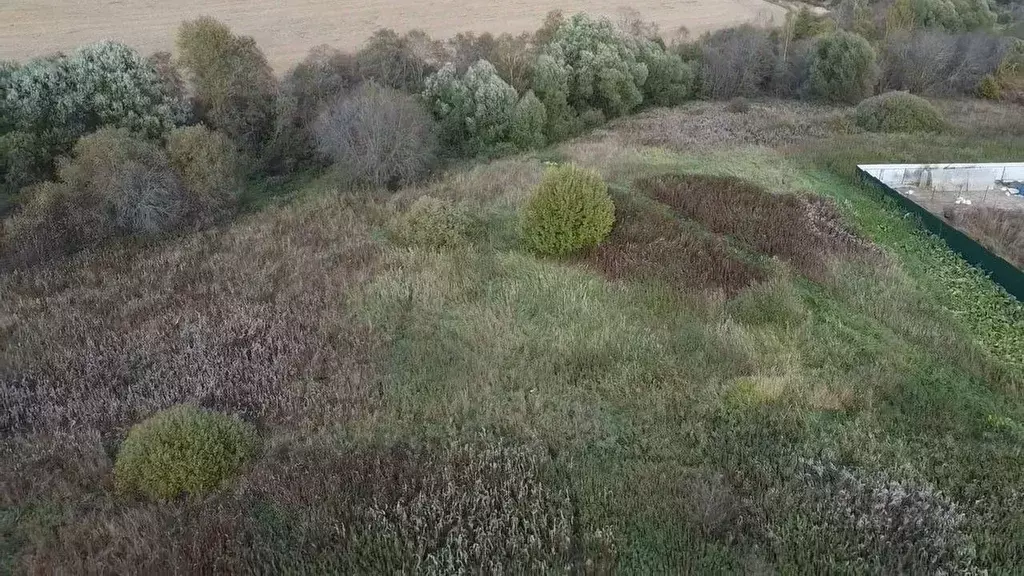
287,29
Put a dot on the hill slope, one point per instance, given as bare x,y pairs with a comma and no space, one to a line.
766,366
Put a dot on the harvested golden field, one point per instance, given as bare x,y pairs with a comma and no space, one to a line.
287,29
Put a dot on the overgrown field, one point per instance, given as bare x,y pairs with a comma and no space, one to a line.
583,300
765,368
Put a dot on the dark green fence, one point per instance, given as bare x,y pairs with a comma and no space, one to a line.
1002,272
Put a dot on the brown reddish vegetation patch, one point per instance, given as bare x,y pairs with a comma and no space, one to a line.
805,231
1001,230
647,243
250,320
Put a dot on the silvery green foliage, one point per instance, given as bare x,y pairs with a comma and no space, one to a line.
52,102
528,120
478,112
878,522
551,85
7,71
104,84
603,69
490,118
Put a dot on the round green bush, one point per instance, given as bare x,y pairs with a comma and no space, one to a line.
570,210
842,68
431,222
183,450
898,112
989,88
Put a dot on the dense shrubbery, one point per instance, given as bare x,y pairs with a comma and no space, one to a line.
183,450
23,160
951,15
117,184
210,170
936,63
807,24
479,113
551,85
898,112
399,62
235,88
736,62
670,81
379,136
431,222
511,56
842,68
320,79
570,210
51,102
135,190
601,65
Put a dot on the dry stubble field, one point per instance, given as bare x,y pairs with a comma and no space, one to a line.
287,29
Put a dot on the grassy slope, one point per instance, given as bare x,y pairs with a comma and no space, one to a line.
688,430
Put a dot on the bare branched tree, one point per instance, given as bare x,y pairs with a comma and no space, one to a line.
378,135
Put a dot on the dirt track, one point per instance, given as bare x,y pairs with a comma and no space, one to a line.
287,29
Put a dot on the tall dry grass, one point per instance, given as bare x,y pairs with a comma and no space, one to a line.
250,320
1001,230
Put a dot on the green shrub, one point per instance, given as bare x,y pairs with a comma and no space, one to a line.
234,85
7,118
528,120
378,135
670,81
183,450
953,15
898,112
842,68
602,66
480,114
209,168
807,24
989,88
551,85
432,223
570,210
103,84
23,161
